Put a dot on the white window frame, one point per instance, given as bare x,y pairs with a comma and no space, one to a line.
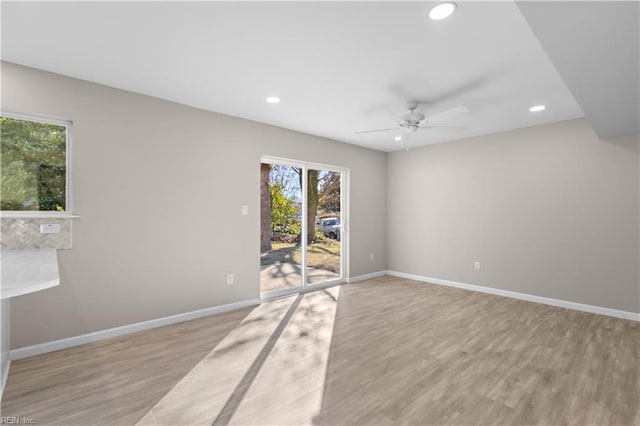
68,193
344,238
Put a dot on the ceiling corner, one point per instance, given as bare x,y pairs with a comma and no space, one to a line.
594,46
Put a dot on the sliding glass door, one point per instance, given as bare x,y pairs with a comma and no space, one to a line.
302,225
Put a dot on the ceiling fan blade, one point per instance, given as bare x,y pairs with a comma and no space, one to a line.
374,131
450,112
392,114
429,126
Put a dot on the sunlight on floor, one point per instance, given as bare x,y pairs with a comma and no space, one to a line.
269,370
288,275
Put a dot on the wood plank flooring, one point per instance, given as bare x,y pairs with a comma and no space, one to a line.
383,351
115,381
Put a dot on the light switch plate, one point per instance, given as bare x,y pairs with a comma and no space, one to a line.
50,228
245,210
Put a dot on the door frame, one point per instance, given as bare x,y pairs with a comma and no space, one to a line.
344,228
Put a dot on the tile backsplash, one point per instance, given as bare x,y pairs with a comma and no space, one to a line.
24,233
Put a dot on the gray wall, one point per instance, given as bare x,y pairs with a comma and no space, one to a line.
549,211
159,187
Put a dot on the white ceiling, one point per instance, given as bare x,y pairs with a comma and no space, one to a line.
335,65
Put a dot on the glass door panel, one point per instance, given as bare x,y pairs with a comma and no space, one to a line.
324,227
280,228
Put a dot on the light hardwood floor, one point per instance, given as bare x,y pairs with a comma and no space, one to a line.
383,351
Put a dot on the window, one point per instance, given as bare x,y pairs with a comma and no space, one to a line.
34,161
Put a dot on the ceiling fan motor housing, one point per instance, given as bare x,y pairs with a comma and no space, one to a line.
413,117
412,121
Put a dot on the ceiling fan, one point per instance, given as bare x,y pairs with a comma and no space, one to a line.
414,121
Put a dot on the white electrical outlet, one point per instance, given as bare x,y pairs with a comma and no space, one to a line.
50,228
371,256
476,266
229,279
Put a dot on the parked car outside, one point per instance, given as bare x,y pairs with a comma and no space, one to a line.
330,227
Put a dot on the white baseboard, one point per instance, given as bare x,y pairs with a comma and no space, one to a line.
5,375
523,296
366,276
69,342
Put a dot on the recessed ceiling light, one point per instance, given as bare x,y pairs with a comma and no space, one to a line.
537,108
273,99
442,10
398,138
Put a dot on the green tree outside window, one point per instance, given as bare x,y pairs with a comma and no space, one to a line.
33,159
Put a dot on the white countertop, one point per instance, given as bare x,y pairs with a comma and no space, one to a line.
26,271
